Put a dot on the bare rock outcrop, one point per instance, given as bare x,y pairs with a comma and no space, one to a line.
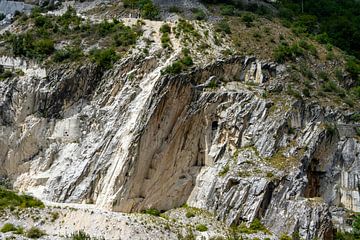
131,139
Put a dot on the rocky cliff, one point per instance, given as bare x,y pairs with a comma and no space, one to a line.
224,136
133,139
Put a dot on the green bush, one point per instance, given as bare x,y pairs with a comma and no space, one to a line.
26,45
247,19
35,232
104,58
2,16
190,214
165,40
187,61
201,228
257,225
68,53
8,227
165,28
174,68
285,52
125,36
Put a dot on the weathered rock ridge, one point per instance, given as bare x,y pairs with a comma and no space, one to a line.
132,139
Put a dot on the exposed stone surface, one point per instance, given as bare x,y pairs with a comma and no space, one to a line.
132,139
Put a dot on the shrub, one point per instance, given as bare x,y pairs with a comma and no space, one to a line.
68,53
223,26
201,228
165,28
165,40
187,61
35,232
152,211
247,19
2,16
125,37
257,225
285,52
104,58
174,68
190,214
8,227
150,11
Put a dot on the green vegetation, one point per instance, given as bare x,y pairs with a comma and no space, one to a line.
178,66
285,237
146,7
285,52
255,226
68,54
225,169
10,199
4,74
223,26
201,228
54,216
198,14
35,233
104,58
47,31
165,37
337,22
81,235
190,214
330,128
8,227
152,211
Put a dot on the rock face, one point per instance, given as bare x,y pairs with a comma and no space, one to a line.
131,139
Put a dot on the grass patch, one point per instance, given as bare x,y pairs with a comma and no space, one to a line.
10,199
201,228
152,211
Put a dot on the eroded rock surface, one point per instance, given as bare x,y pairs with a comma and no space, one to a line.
132,139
